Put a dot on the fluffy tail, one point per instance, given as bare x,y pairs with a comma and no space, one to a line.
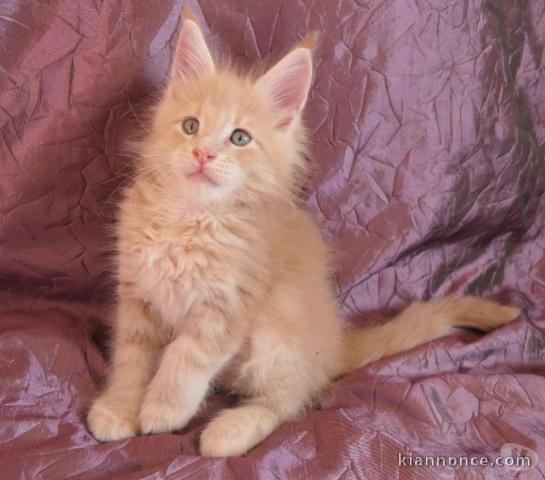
419,323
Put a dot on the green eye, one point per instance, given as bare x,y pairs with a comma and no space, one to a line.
190,125
240,138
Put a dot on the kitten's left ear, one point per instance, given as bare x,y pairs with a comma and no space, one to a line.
192,59
287,83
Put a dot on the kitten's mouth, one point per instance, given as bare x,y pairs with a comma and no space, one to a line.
200,175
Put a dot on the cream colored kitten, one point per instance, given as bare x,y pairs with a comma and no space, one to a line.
223,276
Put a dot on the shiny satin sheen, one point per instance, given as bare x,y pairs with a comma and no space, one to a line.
426,119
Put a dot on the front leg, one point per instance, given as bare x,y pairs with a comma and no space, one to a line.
188,365
137,342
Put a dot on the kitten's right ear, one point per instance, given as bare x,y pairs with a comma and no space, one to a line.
192,59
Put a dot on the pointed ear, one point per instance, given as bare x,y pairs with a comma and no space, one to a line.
192,59
287,84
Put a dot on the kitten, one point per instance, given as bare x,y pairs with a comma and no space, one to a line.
223,276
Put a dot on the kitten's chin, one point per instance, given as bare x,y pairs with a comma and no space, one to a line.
204,190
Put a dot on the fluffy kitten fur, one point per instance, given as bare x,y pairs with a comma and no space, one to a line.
223,277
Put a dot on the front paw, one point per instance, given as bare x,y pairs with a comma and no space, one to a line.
161,416
111,419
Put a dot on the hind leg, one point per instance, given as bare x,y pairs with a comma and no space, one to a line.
292,354
282,387
236,430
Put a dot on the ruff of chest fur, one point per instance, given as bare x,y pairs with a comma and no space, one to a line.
263,266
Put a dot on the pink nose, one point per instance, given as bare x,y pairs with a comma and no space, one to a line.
203,155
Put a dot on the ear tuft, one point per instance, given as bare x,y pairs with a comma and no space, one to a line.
187,13
192,59
310,41
287,83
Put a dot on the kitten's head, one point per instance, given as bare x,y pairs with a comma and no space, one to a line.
219,136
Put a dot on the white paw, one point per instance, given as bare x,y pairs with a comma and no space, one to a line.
109,420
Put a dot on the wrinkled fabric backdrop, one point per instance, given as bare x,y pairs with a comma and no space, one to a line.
428,125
